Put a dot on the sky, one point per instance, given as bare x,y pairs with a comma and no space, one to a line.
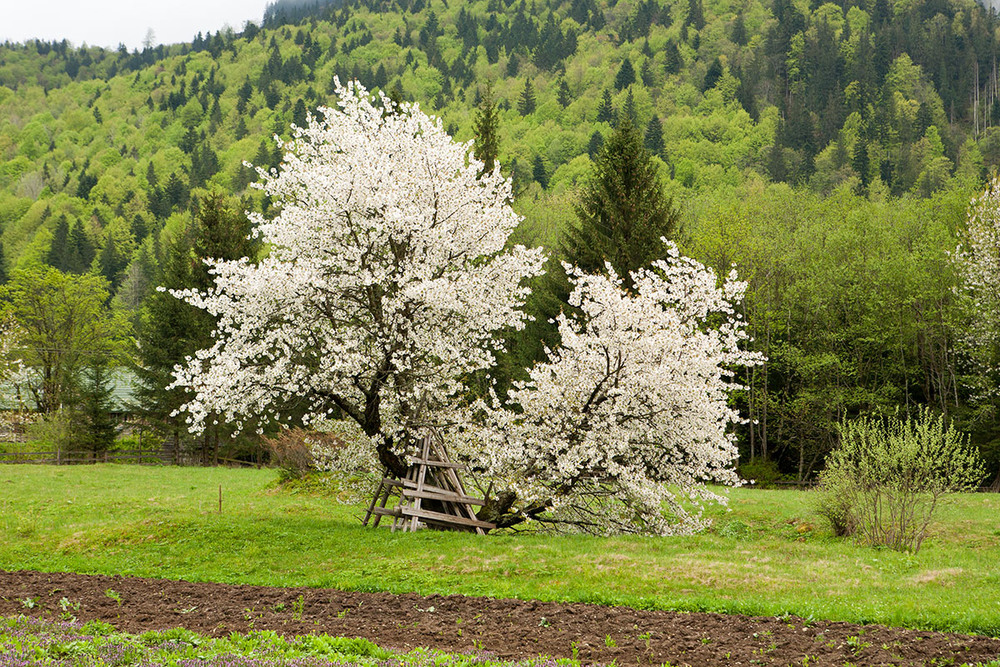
108,22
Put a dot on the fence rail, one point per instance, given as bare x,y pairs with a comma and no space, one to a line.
138,456
69,458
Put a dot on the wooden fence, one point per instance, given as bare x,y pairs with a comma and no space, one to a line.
136,456
148,457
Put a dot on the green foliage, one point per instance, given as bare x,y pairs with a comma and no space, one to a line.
64,325
623,211
487,129
99,427
884,481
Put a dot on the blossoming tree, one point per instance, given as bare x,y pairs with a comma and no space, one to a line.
979,265
621,427
387,280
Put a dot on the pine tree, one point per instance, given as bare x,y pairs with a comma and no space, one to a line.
625,76
299,113
79,250
57,255
4,266
221,231
595,144
539,173
606,111
653,138
169,331
696,15
112,262
713,75
526,105
94,411
629,110
738,34
672,58
623,211
486,146
563,95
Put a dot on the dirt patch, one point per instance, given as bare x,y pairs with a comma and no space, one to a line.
506,628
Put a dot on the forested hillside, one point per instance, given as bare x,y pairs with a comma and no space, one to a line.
828,149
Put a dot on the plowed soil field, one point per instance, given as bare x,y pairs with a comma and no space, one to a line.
507,628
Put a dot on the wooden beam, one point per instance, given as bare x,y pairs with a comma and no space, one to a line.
447,519
433,493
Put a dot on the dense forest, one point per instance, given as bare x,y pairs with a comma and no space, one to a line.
829,150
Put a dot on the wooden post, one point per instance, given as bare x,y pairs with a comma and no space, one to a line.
220,499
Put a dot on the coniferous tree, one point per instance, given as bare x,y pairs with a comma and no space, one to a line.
606,111
629,110
94,411
646,73
486,146
672,58
625,76
169,331
623,212
713,75
4,266
595,144
526,105
299,113
653,138
539,173
111,262
563,95
57,256
696,15
738,34
79,250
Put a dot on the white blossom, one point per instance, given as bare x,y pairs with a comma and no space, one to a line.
978,262
629,416
387,278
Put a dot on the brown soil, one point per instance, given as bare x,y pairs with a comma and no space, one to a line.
507,628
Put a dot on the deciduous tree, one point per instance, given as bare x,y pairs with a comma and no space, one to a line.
388,280
619,429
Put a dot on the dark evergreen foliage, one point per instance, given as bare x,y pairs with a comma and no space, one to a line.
486,146
526,103
94,411
625,76
623,211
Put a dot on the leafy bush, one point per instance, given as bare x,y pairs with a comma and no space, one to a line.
762,473
884,481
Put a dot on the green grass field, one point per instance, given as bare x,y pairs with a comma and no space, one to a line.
769,554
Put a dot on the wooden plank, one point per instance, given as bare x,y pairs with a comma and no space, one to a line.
383,511
441,489
456,481
420,483
430,493
437,464
448,519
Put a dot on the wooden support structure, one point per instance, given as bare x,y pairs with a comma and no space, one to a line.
431,493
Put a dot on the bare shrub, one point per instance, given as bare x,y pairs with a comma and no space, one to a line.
884,482
292,450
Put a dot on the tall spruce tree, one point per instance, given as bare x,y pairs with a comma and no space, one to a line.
625,76
623,212
605,110
653,139
486,146
94,412
168,332
526,105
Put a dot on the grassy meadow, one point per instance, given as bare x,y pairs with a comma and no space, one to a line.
768,554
